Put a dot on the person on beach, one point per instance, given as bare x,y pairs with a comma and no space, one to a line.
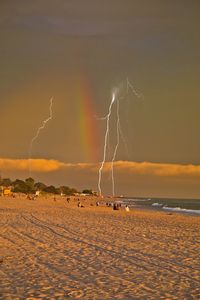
127,208
115,206
79,204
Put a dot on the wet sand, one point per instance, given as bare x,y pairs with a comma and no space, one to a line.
55,250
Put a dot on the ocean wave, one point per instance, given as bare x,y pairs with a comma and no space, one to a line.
137,200
182,210
157,204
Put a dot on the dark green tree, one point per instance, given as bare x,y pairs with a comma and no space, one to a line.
30,184
65,190
50,189
19,186
6,182
86,191
39,186
73,191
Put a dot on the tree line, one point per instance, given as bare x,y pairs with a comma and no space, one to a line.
29,186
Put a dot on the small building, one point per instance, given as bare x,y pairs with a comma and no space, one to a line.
6,191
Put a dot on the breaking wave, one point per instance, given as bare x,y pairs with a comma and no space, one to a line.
157,204
182,210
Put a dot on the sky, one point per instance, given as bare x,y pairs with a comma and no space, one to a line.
79,52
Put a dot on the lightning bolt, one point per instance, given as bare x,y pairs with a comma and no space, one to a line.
129,86
39,130
107,117
115,150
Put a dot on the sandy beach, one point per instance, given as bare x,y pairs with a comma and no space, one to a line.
55,250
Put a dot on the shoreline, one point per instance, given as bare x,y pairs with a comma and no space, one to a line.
88,201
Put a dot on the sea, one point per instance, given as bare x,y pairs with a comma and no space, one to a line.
172,205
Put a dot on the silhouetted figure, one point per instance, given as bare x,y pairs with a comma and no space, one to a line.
115,206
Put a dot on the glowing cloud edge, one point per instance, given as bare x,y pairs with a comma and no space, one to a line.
121,167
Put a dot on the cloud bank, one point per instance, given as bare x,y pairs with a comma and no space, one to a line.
124,167
37,165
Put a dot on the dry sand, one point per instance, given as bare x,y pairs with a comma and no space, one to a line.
55,250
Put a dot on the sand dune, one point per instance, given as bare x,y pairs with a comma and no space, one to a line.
55,250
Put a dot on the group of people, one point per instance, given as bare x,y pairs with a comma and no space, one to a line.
115,206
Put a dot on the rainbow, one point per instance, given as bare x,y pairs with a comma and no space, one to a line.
86,118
